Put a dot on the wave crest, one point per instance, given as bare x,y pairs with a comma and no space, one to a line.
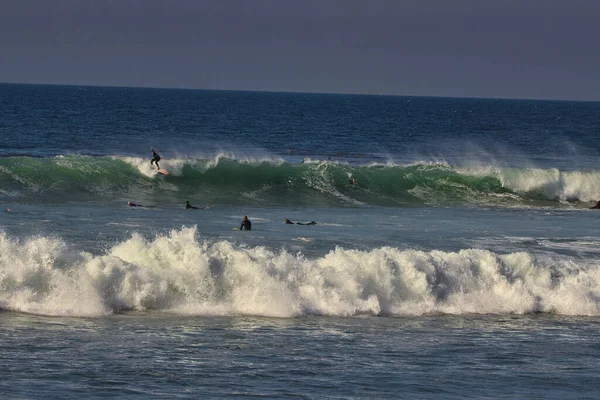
270,180
181,273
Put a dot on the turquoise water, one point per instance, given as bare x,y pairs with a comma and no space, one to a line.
463,261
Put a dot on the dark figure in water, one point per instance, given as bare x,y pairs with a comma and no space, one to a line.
155,159
130,204
597,205
287,221
246,224
352,181
189,206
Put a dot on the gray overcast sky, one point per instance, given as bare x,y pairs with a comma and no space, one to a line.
548,49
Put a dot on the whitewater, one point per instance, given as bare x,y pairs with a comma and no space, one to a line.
311,182
182,273
454,252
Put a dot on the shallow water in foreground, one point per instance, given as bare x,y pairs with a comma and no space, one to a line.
137,355
463,263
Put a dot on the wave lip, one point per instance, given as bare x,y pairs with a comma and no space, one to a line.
181,273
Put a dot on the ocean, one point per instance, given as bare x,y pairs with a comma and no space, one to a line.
454,252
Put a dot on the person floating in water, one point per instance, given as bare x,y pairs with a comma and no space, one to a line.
352,181
307,223
155,159
246,224
287,221
130,204
597,205
188,206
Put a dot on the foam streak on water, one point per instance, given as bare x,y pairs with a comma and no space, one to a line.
463,222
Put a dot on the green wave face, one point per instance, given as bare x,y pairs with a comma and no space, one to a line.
274,182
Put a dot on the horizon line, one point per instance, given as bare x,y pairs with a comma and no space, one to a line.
298,92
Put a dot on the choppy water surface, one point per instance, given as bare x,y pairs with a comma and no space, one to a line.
158,355
454,253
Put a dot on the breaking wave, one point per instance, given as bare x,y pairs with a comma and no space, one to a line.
182,273
271,180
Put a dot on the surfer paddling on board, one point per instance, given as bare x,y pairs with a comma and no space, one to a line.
130,204
287,221
188,206
155,159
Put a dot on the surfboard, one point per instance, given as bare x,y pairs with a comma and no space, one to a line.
162,171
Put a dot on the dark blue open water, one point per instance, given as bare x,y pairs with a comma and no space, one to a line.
462,262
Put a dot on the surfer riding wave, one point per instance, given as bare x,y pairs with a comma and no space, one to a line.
155,159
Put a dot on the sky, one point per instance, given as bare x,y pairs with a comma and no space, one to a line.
537,49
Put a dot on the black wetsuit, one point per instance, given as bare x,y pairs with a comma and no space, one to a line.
287,221
189,206
246,224
139,205
155,159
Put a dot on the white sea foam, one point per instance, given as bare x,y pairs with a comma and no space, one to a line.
303,239
182,273
213,161
321,179
552,183
175,165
